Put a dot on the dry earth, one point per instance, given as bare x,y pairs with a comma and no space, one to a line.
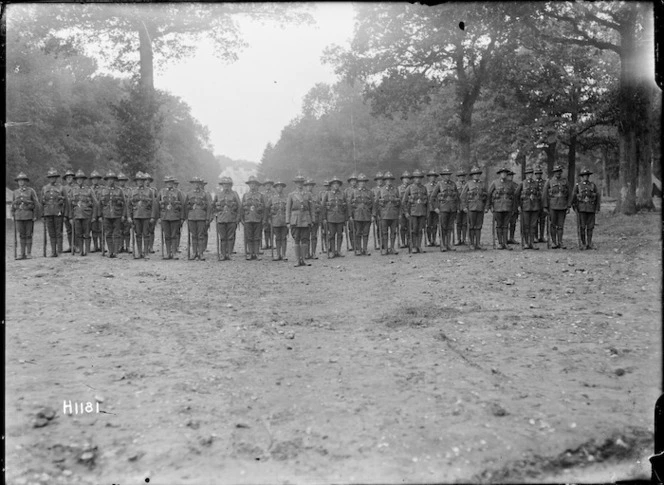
487,366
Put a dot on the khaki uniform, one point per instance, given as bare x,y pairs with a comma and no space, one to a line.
83,209
335,212
586,200
276,219
432,217
114,210
171,210
502,203
388,210
198,212
253,216
142,206
473,202
25,210
54,203
529,197
445,198
415,202
361,208
556,200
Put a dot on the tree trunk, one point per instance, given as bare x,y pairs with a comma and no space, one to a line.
571,153
146,58
550,151
466,115
645,159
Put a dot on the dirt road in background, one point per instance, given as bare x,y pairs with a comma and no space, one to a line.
468,366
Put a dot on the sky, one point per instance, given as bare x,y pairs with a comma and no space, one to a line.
247,103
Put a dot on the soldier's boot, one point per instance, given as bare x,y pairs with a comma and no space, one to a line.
459,240
54,249
95,245
365,246
512,231
201,249
505,239
472,236
590,239
59,244
296,248
204,244
560,238
151,246
277,246
257,248
68,250
22,246
583,239
448,239
533,236
340,239
127,243
28,248
314,243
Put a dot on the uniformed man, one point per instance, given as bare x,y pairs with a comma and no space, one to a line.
113,207
253,215
171,210
125,227
352,185
335,214
473,200
432,217
415,202
227,206
176,185
556,200
151,225
387,210
323,227
361,208
299,217
445,200
268,192
514,216
54,201
403,222
316,219
25,210
142,210
198,212
542,216
276,218
461,216
83,209
378,179
586,202
529,197
501,203
95,224
68,185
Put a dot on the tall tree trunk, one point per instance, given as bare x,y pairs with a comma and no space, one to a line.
550,151
466,115
146,57
571,154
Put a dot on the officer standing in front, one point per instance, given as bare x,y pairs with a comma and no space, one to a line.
432,217
501,203
227,205
403,222
335,214
556,200
361,208
95,224
387,210
68,186
542,216
253,215
461,216
114,212
529,197
316,219
276,219
586,201
514,216
142,211
445,200
25,210
54,203
83,209
352,185
153,224
198,212
473,201
299,216
171,210
415,202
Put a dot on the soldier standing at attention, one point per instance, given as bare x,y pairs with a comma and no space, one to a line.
54,201
227,206
176,185
83,209
415,202
473,200
461,216
361,208
432,217
387,209
95,224
541,218
501,203
514,216
268,192
69,184
323,229
151,225
198,211
352,181
335,213
378,178
125,231
170,206
142,210
25,209
445,200
276,218
556,200
586,201
253,214
403,222
528,195
315,221
114,212
299,216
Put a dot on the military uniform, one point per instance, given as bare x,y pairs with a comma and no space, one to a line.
83,209
502,202
25,210
387,209
379,179
529,196
514,216
253,215
95,224
335,214
125,225
226,206
268,192
276,219
361,208
316,218
461,216
67,186
114,210
176,184
198,212
323,228
586,202
415,202
142,209
556,200
299,215
171,210
473,201
54,204
541,218
432,217
152,224
444,199
352,181
403,222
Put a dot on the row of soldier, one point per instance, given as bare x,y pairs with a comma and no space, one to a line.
129,214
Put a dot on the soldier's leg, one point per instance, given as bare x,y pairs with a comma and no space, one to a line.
152,226
49,222
201,230
340,238
145,238
458,225
479,222
68,228
313,237
29,229
383,226
590,225
305,241
450,229
392,225
108,231
434,227
21,230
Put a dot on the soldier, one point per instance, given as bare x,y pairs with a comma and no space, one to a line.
361,208
69,184
352,181
445,200
415,202
198,212
95,224
268,191
253,214
586,202
25,209
541,218
387,209
378,178
323,227
432,217
54,201
176,186
151,225
403,222
299,208
276,218
113,207
335,213
125,227
171,210
556,200
514,216
461,216
83,209
473,201
501,203
227,206
528,195
142,210
315,219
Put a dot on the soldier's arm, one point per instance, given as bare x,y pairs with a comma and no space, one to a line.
599,197
209,212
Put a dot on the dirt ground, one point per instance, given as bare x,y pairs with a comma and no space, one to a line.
491,366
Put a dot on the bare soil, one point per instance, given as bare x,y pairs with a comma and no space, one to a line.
491,366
